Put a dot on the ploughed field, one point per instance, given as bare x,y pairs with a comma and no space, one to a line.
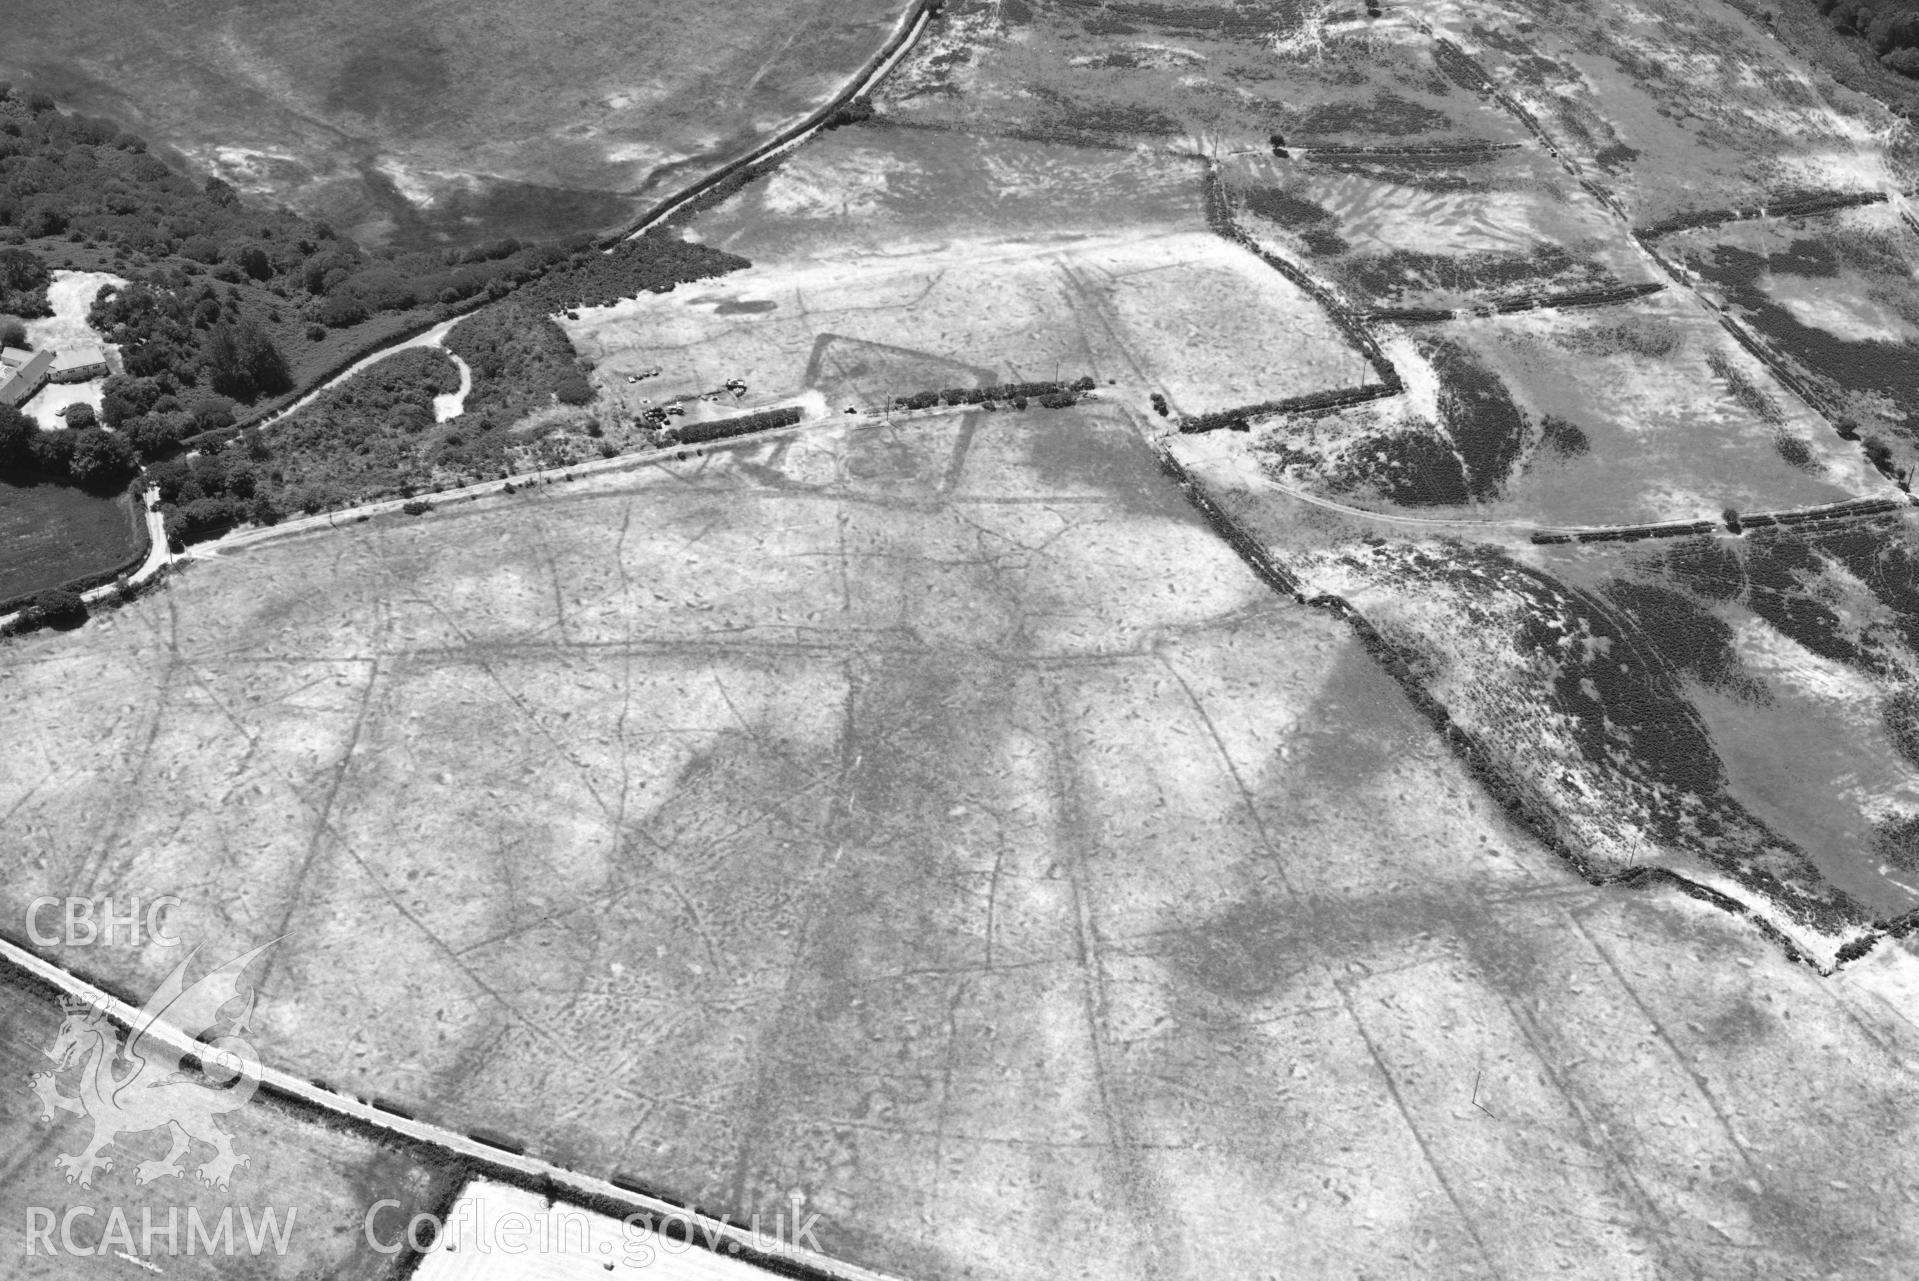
427,123
940,825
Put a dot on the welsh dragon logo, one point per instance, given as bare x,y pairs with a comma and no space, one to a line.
143,1084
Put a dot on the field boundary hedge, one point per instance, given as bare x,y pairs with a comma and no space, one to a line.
740,425
1219,219
1310,405
1441,151
1568,301
1802,205
1052,393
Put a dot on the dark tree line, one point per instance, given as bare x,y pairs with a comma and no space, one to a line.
24,278
1890,26
88,457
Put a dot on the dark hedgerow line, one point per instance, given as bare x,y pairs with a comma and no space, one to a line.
1628,533
1052,394
744,425
1448,151
1798,206
1513,306
1315,403
1856,509
1219,218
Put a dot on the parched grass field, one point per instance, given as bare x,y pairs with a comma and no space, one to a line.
933,825
1182,312
55,533
939,827
935,267
475,122
878,186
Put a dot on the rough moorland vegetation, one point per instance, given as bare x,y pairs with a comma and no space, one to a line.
377,435
371,437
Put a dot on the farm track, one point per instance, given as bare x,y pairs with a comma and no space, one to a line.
478,1155
906,33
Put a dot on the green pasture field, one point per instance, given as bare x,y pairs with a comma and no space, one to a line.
468,124
53,534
